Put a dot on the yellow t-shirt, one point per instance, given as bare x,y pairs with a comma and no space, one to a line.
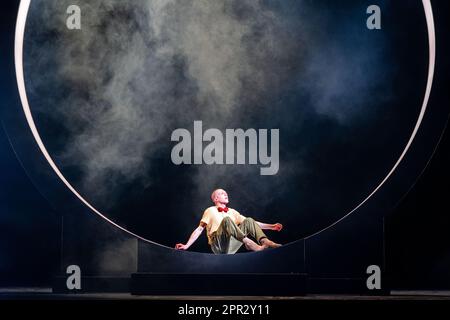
212,218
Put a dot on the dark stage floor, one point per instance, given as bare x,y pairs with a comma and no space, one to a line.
46,294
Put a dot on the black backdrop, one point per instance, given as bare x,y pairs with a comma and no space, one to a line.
418,241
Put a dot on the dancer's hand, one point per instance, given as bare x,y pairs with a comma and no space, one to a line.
180,246
277,227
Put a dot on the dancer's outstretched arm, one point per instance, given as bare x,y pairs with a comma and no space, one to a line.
194,236
269,226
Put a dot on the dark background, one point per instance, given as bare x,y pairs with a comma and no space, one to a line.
417,237
380,86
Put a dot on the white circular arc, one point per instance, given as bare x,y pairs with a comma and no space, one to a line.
18,47
18,55
431,67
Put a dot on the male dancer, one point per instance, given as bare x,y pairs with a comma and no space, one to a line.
227,229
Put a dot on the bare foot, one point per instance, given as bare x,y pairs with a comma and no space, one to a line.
269,243
252,246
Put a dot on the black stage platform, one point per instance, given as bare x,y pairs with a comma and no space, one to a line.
253,284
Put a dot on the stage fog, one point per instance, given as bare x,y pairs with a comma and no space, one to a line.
107,99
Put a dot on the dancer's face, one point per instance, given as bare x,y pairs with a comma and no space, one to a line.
221,196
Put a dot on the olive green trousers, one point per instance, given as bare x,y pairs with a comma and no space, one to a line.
228,237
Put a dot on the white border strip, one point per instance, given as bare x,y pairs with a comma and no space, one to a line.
19,39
